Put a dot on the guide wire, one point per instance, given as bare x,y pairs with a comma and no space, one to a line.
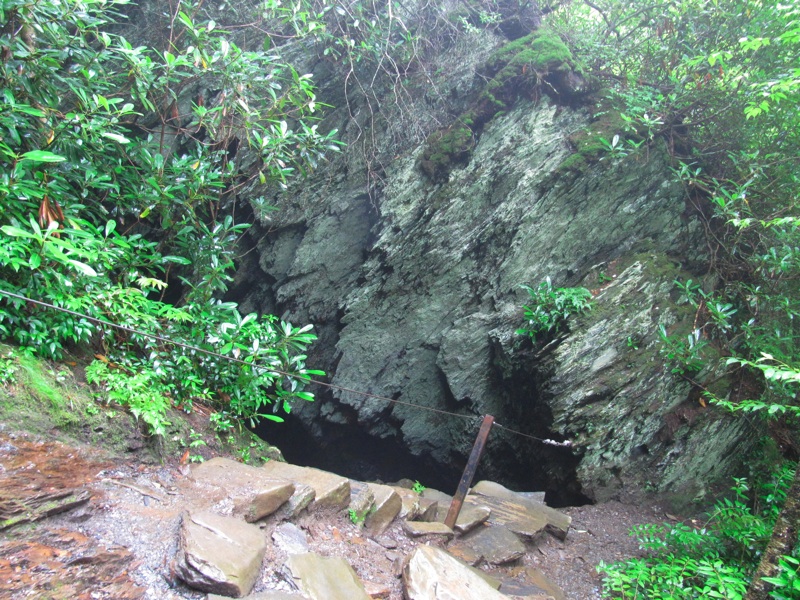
270,369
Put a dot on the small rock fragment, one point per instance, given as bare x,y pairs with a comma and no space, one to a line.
290,538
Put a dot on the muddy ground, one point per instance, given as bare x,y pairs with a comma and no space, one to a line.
118,541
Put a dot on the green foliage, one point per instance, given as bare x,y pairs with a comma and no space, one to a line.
196,441
355,517
685,355
102,143
8,366
715,559
787,582
142,393
550,307
418,487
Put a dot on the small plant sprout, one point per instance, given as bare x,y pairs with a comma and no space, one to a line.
550,307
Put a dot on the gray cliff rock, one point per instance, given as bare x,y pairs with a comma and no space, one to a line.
413,288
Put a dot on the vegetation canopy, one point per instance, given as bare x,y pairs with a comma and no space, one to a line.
120,168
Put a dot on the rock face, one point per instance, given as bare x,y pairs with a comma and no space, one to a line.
414,291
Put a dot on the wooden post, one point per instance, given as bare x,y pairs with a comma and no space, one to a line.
469,471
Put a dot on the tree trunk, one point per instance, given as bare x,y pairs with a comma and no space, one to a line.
784,538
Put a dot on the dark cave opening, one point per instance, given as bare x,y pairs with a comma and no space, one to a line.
349,451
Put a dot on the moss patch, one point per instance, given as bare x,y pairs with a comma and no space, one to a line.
445,149
520,69
50,399
541,50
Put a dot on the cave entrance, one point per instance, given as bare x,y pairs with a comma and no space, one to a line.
347,450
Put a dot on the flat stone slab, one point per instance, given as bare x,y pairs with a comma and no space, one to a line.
432,574
490,488
420,528
255,495
530,582
325,578
219,554
523,516
269,595
329,490
385,508
470,517
495,545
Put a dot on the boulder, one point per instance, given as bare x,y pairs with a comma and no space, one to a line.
219,554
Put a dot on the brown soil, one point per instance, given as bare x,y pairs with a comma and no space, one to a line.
119,544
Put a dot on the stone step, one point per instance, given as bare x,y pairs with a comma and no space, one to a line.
433,574
254,493
385,508
330,490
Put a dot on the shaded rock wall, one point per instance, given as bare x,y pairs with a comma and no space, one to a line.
413,288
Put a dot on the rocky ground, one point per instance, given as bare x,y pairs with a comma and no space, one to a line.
119,540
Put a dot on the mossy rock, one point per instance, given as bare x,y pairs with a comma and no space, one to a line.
447,148
517,70
543,51
588,142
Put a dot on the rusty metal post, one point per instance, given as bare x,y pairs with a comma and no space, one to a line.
469,471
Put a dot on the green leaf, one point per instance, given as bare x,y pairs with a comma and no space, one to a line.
42,156
116,137
15,231
82,267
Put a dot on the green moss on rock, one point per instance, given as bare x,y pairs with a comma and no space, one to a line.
517,70
445,149
543,51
